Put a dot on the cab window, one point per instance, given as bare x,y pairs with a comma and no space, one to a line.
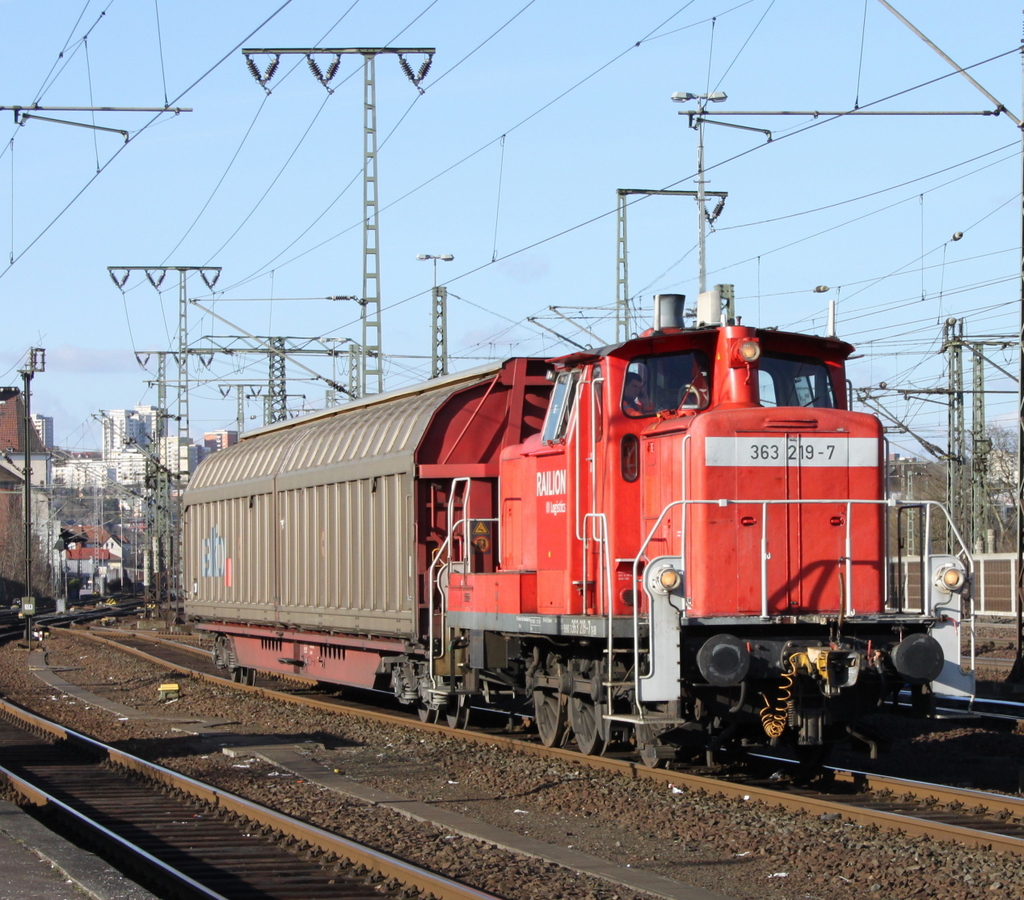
794,381
669,381
563,397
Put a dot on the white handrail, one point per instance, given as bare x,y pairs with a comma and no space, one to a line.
432,574
764,561
434,570
846,600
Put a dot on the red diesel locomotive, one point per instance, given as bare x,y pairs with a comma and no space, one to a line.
680,541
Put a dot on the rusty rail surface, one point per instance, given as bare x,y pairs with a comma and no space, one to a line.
235,862
976,818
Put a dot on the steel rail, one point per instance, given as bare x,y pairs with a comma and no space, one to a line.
38,797
980,707
794,800
358,854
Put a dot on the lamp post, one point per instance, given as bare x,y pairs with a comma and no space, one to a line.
697,122
438,318
36,362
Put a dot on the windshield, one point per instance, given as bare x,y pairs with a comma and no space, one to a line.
669,381
794,381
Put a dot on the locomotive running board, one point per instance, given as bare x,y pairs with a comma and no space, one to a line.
648,719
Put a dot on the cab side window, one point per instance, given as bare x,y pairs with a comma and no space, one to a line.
668,381
563,401
597,408
794,381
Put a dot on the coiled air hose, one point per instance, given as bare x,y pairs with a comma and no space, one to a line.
774,718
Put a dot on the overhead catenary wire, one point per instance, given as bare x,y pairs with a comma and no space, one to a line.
860,56
300,142
521,123
859,218
743,47
721,43
160,46
64,58
245,139
900,269
885,190
92,102
610,212
497,200
60,214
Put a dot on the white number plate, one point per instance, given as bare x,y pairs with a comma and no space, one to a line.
794,450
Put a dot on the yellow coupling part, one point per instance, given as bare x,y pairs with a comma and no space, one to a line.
775,717
834,669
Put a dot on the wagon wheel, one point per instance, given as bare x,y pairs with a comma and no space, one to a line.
223,657
457,711
586,725
549,711
425,712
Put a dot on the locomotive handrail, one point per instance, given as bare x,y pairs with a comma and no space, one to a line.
964,554
636,602
453,524
432,574
900,589
434,570
601,522
764,560
887,523
847,588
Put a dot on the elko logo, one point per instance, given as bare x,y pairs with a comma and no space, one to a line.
213,555
551,483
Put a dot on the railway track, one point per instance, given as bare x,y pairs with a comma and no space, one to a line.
185,839
970,817
13,624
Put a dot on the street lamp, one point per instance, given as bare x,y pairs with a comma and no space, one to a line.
702,101
444,257
438,318
830,328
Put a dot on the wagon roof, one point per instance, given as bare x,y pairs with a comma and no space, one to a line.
386,428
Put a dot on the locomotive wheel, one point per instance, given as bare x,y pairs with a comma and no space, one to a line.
425,713
457,711
549,711
586,725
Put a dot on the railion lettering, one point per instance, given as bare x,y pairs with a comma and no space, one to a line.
550,484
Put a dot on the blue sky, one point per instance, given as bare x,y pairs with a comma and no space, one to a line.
532,116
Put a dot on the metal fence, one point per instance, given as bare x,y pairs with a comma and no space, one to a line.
994,588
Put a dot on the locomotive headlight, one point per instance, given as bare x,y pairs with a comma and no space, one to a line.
951,578
750,351
744,352
664,575
669,579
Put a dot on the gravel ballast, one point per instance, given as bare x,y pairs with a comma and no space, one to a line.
739,849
